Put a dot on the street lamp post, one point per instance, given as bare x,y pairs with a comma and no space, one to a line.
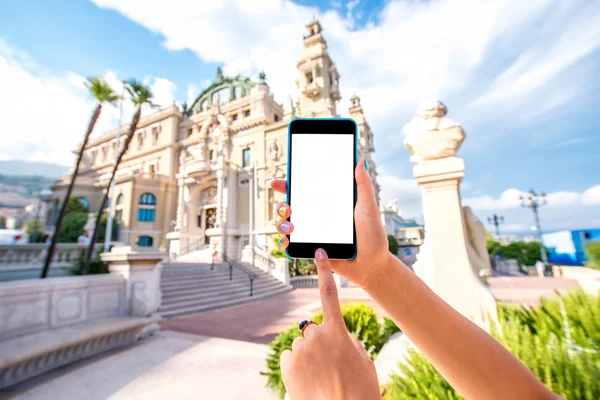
44,195
534,201
111,205
496,220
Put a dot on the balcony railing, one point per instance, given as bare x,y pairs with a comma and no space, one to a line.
25,261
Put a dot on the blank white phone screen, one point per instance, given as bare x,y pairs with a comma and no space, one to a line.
322,188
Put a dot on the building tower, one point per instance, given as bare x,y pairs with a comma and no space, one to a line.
366,146
318,78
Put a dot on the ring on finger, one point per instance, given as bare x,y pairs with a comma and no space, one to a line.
305,324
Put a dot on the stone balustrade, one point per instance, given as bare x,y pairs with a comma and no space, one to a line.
312,281
304,281
277,267
47,323
25,261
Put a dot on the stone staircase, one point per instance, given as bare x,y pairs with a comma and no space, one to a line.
190,288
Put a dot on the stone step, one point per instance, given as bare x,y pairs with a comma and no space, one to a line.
169,291
208,282
194,268
207,275
177,298
183,276
222,304
203,274
207,300
223,284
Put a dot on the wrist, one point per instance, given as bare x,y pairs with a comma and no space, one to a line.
381,273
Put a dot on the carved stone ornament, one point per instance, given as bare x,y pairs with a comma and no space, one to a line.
476,244
430,136
274,151
209,196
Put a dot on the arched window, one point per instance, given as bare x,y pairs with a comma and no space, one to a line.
145,241
148,199
119,208
147,208
85,202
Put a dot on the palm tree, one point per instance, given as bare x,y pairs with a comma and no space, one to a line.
104,94
140,95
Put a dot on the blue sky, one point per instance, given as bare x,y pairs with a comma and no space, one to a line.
521,77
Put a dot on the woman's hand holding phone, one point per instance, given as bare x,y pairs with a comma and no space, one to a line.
372,244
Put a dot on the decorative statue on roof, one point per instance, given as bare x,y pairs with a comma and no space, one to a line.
219,77
430,136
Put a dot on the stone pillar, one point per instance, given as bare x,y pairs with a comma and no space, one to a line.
446,262
142,270
231,215
220,208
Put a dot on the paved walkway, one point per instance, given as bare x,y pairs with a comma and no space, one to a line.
170,365
261,322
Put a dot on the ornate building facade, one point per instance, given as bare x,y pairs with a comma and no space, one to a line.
201,176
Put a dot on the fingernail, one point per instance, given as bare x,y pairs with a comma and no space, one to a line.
321,255
366,164
285,227
282,211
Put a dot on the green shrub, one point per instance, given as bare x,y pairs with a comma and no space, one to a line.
97,266
360,320
282,342
592,251
389,328
393,245
537,337
419,380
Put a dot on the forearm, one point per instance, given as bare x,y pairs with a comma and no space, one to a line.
471,360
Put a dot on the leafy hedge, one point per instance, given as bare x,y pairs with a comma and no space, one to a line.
360,320
592,251
568,365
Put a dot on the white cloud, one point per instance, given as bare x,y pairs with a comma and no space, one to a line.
405,191
510,198
486,53
564,209
192,92
544,61
61,106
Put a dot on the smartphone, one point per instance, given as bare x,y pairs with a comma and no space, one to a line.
321,188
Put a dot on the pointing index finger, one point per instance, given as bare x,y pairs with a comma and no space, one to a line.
279,185
328,290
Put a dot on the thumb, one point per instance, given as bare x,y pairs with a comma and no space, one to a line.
367,203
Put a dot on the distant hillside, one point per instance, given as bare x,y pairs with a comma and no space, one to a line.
41,169
23,186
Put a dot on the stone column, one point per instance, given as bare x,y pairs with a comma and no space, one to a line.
220,207
142,270
231,215
447,261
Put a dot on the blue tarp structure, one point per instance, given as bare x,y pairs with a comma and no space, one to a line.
568,247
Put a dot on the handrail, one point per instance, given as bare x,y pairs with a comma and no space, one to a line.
234,263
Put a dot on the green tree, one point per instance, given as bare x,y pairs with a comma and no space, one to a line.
75,218
393,245
140,96
72,227
527,253
100,89
33,228
493,246
592,252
